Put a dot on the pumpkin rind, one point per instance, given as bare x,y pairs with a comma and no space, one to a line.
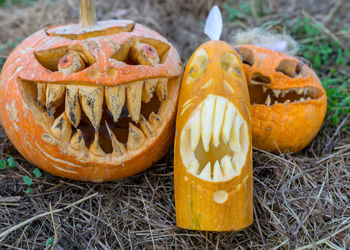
30,130
281,125
205,197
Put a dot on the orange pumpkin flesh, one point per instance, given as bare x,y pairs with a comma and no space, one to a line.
92,103
288,102
213,152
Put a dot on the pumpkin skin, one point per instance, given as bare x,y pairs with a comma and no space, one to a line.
288,102
104,79
213,126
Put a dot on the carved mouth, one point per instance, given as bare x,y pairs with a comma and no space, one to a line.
100,120
263,95
225,142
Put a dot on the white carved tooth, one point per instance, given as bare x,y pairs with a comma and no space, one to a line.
308,99
61,128
133,100
162,89
299,91
195,129
77,142
135,138
154,120
41,94
218,119
115,99
148,90
217,173
283,94
264,88
226,166
91,99
207,115
72,106
146,127
206,172
277,92
268,100
302,99
95,147
118,147
287,101
306,90
54,96
194,166
235,144
230,113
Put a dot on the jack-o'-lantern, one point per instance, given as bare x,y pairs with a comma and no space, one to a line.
92,101
213,150
288,102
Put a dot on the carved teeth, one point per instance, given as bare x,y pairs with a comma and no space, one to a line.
61,128
161,89
72,106
41,94
207,116
268,100
284,92
217,173
194,167
115,99
265,88
228,121
299,91
154,120
144,54
302,99
133,100
95,148
287,101
148,90
77,141
54,96
195,129
136,138
277,92
118,147
206,173
235,134
91,99
226,166
218,119
275,102
146,127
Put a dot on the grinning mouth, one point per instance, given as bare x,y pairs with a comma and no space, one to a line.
260,94
225,142
102,120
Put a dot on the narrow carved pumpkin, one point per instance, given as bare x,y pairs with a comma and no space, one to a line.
288,102
91,101
213,151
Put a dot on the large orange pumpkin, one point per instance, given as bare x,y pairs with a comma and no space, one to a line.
288,102
213,150
78,100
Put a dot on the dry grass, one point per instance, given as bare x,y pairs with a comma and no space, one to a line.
300,200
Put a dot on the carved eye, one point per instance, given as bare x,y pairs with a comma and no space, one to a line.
230,63
198,66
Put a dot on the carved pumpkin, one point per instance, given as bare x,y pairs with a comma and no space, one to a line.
94,101
213,151
288,102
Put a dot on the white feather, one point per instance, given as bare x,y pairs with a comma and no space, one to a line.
213,24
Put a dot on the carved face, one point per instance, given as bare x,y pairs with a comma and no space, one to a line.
288,101
213,164
91,104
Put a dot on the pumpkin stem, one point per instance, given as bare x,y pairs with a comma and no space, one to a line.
87,14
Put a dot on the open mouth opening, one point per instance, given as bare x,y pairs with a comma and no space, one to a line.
215,141
103,120
262,94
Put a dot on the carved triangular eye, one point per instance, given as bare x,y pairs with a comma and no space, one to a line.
142,51
63,58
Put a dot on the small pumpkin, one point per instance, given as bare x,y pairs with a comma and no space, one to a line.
93,101
288,102
213,150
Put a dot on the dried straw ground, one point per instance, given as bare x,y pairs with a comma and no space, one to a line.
300,200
